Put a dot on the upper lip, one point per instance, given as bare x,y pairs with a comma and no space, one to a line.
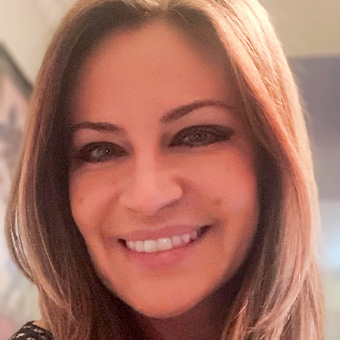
154,234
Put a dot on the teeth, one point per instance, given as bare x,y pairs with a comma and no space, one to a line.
150,246
162,244
139,246
186,238
130,244
176,240
193,235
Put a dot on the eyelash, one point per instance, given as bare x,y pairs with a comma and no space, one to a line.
107,151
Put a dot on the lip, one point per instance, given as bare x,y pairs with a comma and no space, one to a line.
153,234
164,259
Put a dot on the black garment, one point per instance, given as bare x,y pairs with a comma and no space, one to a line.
31,332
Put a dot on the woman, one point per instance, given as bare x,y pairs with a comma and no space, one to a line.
165,190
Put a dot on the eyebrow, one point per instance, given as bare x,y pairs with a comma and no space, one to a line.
169,117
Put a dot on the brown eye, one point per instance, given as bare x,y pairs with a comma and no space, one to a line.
202,135
99,152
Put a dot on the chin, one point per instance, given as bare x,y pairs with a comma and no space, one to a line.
163,312
160,306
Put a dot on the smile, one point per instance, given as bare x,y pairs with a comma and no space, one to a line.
164,243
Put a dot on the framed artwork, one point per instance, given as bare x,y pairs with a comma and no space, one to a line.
18,298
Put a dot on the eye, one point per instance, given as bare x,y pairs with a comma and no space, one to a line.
201,135
99,152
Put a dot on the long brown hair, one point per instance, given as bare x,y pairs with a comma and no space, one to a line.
280,293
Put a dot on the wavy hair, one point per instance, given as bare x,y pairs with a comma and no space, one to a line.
280,294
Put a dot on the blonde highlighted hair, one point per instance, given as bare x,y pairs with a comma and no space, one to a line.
280,293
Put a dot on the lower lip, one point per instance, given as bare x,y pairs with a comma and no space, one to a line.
163,259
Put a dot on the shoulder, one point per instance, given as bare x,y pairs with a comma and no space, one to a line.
31,331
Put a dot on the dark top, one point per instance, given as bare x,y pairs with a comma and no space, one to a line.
31,332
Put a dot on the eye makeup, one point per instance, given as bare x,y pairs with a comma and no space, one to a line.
195,136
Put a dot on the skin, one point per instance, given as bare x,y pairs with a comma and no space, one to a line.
131,79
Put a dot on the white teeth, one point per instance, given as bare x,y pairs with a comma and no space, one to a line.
162,244
186,238
139,246
131,244
150,246
193,235
176,240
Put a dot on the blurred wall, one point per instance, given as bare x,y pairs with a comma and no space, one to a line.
306,27
26,27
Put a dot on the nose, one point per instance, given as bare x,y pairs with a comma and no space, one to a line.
149,188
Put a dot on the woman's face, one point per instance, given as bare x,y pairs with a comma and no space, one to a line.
162,180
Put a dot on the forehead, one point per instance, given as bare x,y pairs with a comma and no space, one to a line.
156,66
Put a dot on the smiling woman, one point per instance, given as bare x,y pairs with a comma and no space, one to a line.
145,186
169,137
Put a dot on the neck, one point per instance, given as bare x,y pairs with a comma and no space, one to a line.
205,321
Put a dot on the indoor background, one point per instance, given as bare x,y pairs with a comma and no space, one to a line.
310,35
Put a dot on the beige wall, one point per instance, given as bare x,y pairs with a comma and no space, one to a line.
306,27
26,27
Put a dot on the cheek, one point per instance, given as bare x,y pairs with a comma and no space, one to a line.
89,200
228,184
226,180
